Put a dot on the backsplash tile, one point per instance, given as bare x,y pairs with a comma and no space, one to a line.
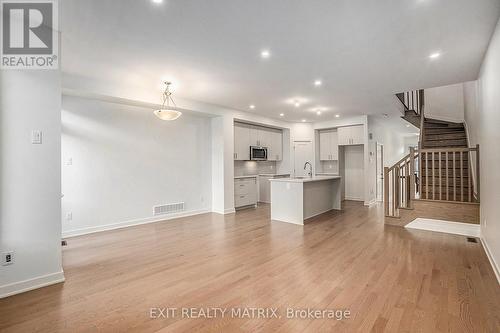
245,168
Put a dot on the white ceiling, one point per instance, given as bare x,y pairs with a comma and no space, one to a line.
364,51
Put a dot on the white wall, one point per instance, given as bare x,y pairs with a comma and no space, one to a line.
445,103
395,144
486,128
125,161
30,179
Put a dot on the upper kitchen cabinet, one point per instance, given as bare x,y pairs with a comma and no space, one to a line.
246,135
351,135
328,145
275,145
255,136
260,136
241,142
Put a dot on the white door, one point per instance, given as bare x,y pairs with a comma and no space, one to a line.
303,153
380,171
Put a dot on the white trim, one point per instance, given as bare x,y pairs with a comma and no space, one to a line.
457,228
30,284
225,211
130,223
354,199
371,202
229,210
493,263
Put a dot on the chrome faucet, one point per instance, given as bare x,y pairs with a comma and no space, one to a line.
310,173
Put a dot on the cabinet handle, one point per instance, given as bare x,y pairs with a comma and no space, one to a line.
242,196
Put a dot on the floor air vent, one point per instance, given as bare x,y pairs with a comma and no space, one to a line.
471,240
168,208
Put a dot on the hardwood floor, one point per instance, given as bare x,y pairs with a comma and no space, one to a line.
389,278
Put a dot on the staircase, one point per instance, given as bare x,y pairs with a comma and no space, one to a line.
446,172
439,171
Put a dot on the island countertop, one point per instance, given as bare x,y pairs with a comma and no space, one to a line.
304,179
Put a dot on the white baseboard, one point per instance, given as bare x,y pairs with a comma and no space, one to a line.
353,199
371,202
27,285
124,224
493,263
457,228
229,210
225,211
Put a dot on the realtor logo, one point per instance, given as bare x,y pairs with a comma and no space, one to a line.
29,34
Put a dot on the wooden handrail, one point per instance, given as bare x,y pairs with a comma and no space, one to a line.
440,182
449,150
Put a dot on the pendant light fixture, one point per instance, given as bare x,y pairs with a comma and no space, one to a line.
166,111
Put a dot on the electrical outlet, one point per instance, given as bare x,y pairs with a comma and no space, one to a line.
7,258
69,161
69,216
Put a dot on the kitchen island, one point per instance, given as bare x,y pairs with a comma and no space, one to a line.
295,200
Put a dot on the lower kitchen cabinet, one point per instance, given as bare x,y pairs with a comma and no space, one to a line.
245,192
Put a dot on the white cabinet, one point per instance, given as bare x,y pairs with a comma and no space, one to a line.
328,145
275,145
351,135
241,142
246,135
258,136
261,136
245,192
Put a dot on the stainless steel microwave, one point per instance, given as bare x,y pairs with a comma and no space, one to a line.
258,153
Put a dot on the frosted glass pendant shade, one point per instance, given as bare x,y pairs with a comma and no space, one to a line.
164,114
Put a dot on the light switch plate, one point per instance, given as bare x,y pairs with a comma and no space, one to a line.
36,137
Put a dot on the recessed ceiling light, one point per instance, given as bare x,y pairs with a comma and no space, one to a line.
318,112
296,103
282,114
303,120
435,55
407,125
317,83
265,54
251,106
157,1
337,116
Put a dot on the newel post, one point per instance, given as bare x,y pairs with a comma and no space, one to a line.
412,176
386,191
